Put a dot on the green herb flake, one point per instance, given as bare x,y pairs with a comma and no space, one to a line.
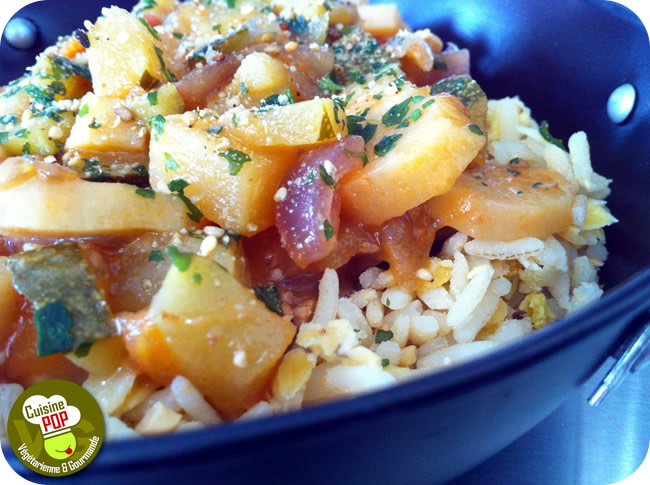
215,129
27,148
289,96
355,128
514,161
151,30
230,3
194,213
386,144
83,350
519,192
141,170
168,74
440,64
327,177
378,95
236,160
396,114
328,229
415,115
546,134
270,296
388,302
182,261
418,98
298,25
514,172
310,178
243,89
358,78
177,185
428,103
326,84
475,129
158,125
53,325
94,124
156,256
4,137
361,155
385,362
170,163
152,97
6,119
234,120
24,133
146,193
383,336
197,278
484,184
83,111
178,35
537,184
215,28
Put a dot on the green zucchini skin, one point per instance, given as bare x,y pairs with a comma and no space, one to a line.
59,274
463,87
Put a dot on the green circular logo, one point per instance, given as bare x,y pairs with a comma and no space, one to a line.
56,428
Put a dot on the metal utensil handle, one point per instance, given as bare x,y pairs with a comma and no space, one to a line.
635,356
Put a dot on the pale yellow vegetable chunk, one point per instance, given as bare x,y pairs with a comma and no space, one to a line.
122,54
49,200
381,20
207,327
242,202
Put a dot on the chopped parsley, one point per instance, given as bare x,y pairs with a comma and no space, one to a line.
4,137
236,160
197,278
355,128
151,30
178,35
146,193
415,115
6,119
514,161
361,155
243,89
177,185
519,192
513,171
41,95
439,64
170,163
383,336
358,78
327,178
270,296
310,178
168,74
156,256
141,170
158,125
396,114
94,124
215,129
182,261
53,325
426,104
297,25
418,98
326,84
537,184
328,229
378,95
385,362
386,144
546,134
24,133
475,129
152,98
230,3
83,349
234,120
27,148
215,28
83,111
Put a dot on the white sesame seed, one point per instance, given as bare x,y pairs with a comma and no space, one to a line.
207,245
280,195
214,231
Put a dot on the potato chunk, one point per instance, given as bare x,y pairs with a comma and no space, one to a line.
48,200
123,54
206,326
237,197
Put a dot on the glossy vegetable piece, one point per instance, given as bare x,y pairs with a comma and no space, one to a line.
420,146
165,100
231,183
48,200
507,203
10,302
469,92
115,33
308,216
213,331
70,310
304,123
198,86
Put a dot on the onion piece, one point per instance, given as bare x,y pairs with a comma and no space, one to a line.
308,213
200,84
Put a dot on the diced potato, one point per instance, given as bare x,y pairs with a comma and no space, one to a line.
48,200
104,358
101,129
38,136
409,165
243,202
204,325
9,302
261,74
309,10
304,123
122,54
381,20
166,100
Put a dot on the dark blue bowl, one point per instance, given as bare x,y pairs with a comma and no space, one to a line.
563,59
